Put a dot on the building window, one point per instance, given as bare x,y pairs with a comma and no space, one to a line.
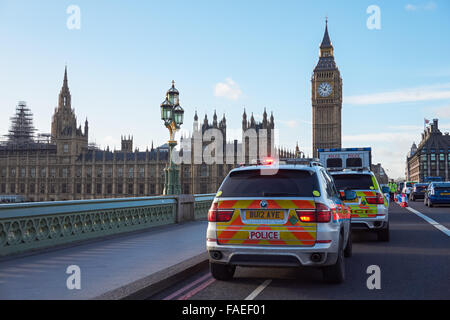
65,173
433,157
22,188
99,188
12,187
130,188
66,148
3,173
88,188
109,172
89,172
203,188
141,172
52,172
78,173
23,172
203,170
63,188
99,172
3,188
130,173
52,188
441,157
43,173
32,188
186,172
120,188
186,189
152,189
33,172
78,188
120,172
42,191
13,172
109,188
141,188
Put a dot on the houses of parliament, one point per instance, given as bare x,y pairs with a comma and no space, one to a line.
64,166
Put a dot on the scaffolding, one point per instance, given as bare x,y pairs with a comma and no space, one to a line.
22,131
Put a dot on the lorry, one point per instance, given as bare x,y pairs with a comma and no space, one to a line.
338,159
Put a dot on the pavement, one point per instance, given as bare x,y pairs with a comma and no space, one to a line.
415,264
112,268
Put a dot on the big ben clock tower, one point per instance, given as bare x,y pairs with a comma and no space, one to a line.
326,96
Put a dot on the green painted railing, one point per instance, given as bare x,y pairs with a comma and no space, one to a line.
32,226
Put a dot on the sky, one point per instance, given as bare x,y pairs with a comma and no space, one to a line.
227,55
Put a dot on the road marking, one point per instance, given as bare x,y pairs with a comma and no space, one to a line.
430,221
197,290
258,290
187,287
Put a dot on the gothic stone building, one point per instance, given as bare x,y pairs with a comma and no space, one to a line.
66,167
326,95
431,158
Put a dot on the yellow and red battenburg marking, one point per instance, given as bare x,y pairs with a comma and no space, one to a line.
293,233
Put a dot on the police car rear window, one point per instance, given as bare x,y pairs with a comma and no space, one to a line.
284,183
353,181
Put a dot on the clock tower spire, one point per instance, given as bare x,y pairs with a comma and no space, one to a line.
326,97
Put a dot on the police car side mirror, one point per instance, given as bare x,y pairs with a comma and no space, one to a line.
386,190
349,195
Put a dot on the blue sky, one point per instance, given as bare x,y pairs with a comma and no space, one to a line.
227,55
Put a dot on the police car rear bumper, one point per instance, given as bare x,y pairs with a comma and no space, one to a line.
272,256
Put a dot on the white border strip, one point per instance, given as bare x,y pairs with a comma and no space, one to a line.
430,221
258,290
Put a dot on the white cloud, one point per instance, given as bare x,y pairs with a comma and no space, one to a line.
442,112
410,7
425,93
228,89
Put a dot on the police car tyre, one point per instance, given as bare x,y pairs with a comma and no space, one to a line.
383,234
336,272
222,272
348,252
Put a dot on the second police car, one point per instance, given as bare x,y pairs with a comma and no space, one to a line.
279,215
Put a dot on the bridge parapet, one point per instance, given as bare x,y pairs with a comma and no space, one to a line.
32,226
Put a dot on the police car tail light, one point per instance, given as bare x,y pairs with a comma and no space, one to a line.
306,215
268,161
378,199
217,215
323,213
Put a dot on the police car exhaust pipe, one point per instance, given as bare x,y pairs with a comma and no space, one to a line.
316,257
216,255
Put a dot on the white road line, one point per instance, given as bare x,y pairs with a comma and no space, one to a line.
430,221
258,290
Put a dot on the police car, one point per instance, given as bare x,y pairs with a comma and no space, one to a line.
281,215
370,209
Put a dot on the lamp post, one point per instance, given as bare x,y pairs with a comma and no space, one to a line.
173,115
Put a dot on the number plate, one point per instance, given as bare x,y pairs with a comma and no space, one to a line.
264,215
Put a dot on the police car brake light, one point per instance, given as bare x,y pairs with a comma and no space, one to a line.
219,215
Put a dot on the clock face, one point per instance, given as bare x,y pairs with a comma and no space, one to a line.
325,89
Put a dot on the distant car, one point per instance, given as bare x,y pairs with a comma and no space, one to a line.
407,187
437,193
279,216
418,191
400,186
370,209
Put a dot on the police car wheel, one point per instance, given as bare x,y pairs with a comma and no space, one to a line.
348,252
222,271
383,234
336,272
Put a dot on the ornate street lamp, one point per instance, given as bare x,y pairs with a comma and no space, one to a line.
173,115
